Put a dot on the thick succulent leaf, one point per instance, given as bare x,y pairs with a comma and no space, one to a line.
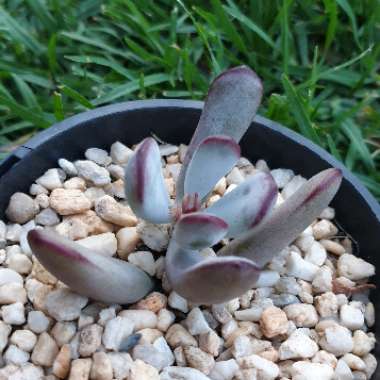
229,109
199,230
99,277
214,157
208,281
247,205
144,184
287,220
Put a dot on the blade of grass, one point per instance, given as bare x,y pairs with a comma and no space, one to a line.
58,106
75,95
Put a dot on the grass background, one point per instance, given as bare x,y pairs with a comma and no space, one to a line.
319,61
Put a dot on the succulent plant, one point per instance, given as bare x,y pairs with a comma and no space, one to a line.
252,229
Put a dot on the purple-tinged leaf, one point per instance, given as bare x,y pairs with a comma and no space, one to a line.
229,109
199,230
288,220
247,205
144,184
99,277
214,157
208,281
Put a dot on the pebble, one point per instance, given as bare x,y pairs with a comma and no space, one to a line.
282,177
105,244
37,321
304,370
198,359
92,172
75,183
224,370
101,367
14,355
13,314
36,189
333,247
300,268
80,369
326,304
47,217
354,268
343,371
115,331
121,364
5,330
354,362
112,211
154,302
337,340
90,339
303,315
116,171
99,156
325,357
292,186
322,281
298,345
210,342
371,364
143,371
94,193
24,339
69,201
316,254
165,319
13,232
21,208
177,335
63,332
141,319
120,153
65,305
267,278
44,351
52,179
42,200
12,292
156,237
8,276
351,317
144,260
288,285
196,323
266,369
151,355
68,167
177,302
182,373
363,343
62,362
127,241
273,322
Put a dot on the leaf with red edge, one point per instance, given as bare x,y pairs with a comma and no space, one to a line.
214,157
229,109
247,205
208,281
287,220
199,230
144,184
89,273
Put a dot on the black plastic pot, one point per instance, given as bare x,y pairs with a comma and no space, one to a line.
174,121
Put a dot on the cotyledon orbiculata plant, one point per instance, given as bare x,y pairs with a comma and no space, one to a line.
246,215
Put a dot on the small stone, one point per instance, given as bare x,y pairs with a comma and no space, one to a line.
282,300
154,302
220,313
288,285
80,369
267,278
182,373
326,304
64,305
337,340
127,240
13,314
325,357
241,347
105,244
177,335
5,330
21,208
322,281
105,315
20,263
68,167
99,156
363,343
298,345
68,202
143,371
52,179
90,339
94,193
303,315
37,292
371,364
292,186
210,342
300,268
351,317
112,211
354,362
36,189
14,355
61,365
120,153
165,319
148,336
121,364
101,367
282,177
177,302
316,254
369,314
44,351
155,236
85,320
304,370
92,172
196,322
63,332
141,319
354,268
150,355
40,273
75,183
224,370
42,200
198,359
116,189
115,331
343,371
24,339
13,232
143,260
324,229
266,369
37,321
333,247
273,322
12,292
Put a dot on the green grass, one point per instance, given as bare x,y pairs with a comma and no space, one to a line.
319,61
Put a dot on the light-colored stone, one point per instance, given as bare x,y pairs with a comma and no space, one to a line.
154,302
176,301
80,369
12,292
21,208
148,336
115,331
298,345
8,276
198,359
105,244
354,362
63,332
93,193
273,322
141,319
52,179
13,232
337,340
343,371
155,236
326,304
68,167
69,201
90,339
65,305
44,351
304,370
37,293
127,241
112,211
351,317
92,172
144,260
99,156
13,314
196,322
210,342
177,335
20,263
300,268
363,343
282,176
36,189
150,355
14,355
120,153
292,186
37,321
116,171
75,183
165,319
182,373
42,200
105,315
101,367
316,254
143,371
369,314
325,357
266,368
121,364
61,365
371,364
5,330
354,268
303,315
322,281
333,247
